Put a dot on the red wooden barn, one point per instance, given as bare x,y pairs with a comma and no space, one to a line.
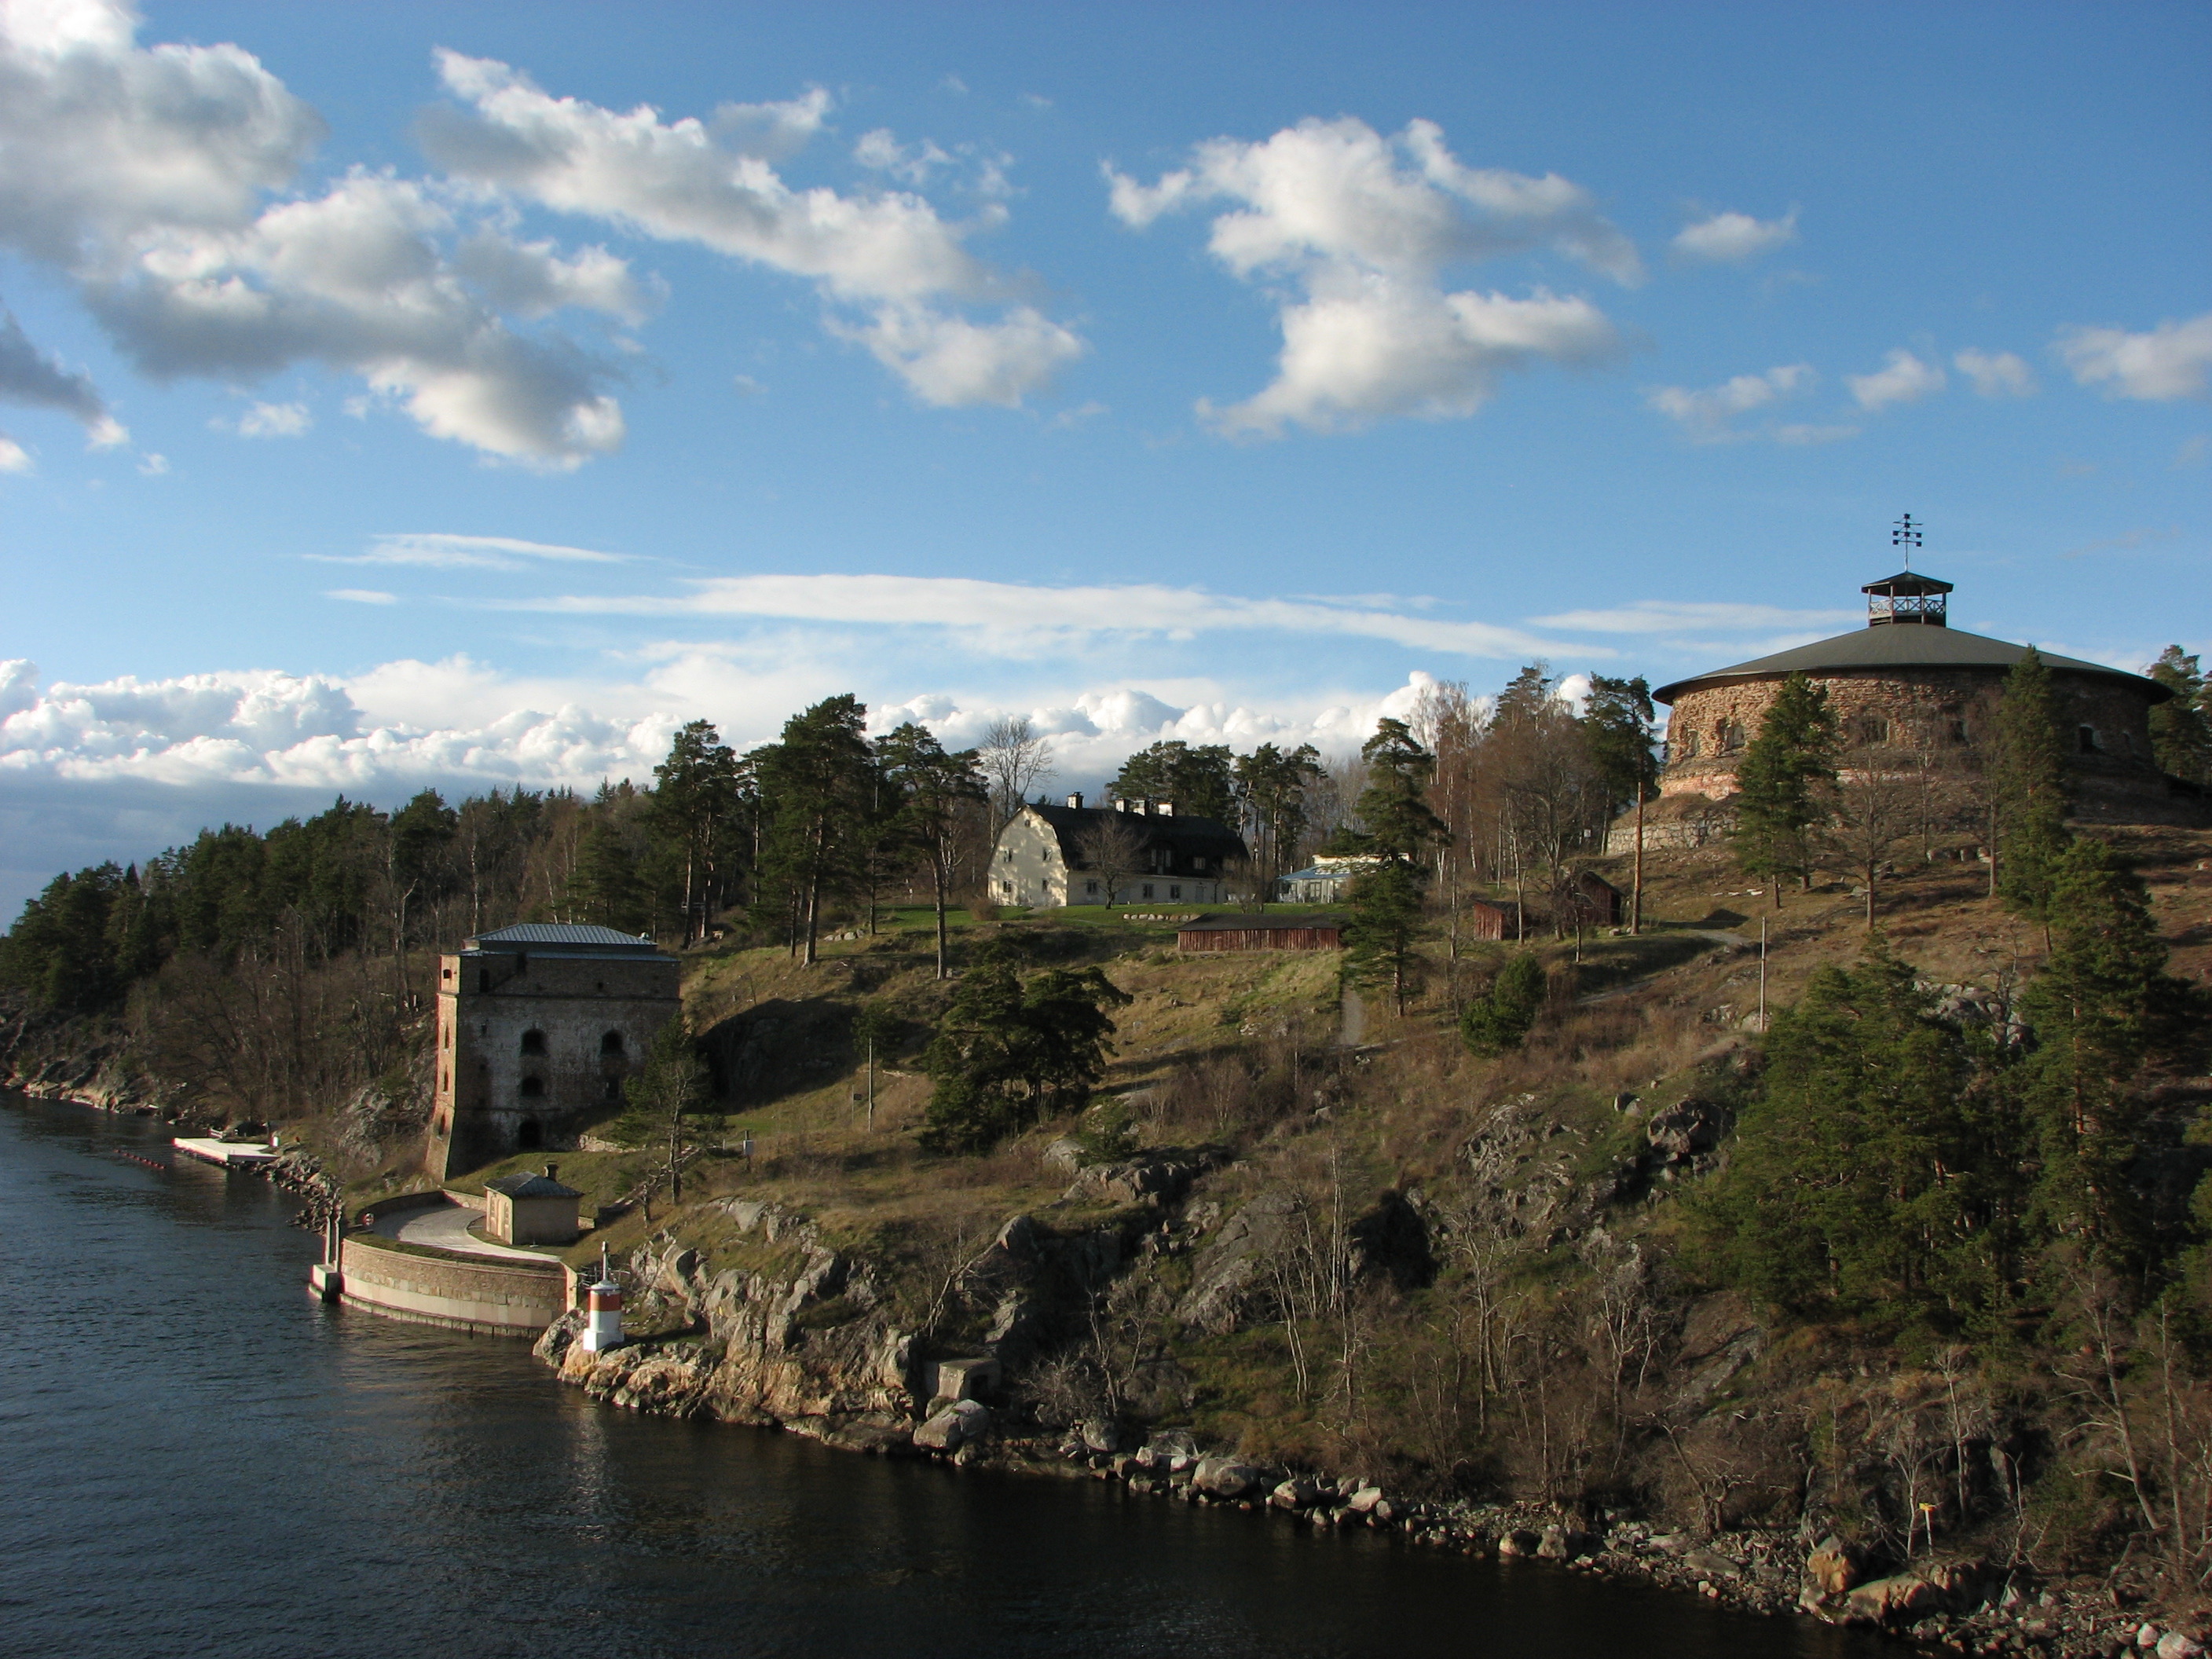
1492,918
1262,932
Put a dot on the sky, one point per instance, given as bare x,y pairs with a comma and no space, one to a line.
462,395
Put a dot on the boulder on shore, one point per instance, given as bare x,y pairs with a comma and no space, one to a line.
1229,1478
959,1423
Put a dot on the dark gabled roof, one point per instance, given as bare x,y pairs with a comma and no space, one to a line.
559,936
1184,836
1257,923
1900,645
525,1185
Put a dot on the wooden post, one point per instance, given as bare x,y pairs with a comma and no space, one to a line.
1636,897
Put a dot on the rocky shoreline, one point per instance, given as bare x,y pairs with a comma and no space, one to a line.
813,1349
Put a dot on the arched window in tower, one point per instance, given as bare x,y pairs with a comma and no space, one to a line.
1691,747
611,1046
2087,736
533,1088
529,1135
533,1042
1873,730
1731,736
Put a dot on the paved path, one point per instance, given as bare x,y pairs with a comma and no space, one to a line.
446,1228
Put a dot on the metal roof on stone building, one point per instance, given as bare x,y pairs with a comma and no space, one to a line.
527,1185
1896,647
558,935
1183,835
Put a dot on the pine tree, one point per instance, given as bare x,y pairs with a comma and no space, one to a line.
818,785
1499,1021
1397,830
1198,780
2103,1011
696,800
1778,801
604,888
2029,783
1007,1054
2181,728
937,793
1271,794
1859,1180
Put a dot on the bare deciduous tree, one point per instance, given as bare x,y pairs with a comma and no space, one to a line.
1113,849
1014,756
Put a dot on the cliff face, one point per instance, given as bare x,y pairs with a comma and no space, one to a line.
86,1059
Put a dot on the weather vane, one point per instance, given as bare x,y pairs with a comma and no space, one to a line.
1905,534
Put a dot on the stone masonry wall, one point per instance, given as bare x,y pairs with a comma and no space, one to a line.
1950,711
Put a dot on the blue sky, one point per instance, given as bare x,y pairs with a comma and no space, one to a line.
469,393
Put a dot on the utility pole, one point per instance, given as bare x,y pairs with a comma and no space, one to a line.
1636,895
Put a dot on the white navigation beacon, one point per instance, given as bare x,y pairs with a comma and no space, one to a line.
603,1310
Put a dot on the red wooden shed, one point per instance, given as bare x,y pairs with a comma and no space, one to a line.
1262,932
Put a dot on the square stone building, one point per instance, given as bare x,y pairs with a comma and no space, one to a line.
538,1026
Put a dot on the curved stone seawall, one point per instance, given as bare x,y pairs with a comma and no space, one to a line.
491,1298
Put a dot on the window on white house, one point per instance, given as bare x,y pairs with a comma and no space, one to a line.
1090,888
1148,890
1174,892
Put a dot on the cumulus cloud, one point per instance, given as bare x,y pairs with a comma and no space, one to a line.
2172,360
1731,238
275,421
1015,619
1999,375
1705,415
440,550
146,174
29,376
14,458
889,257
1902,378
1362,229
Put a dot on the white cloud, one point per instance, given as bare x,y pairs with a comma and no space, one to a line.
438,551
2171,361
14,458
889,256
1902,378
1705,415
1362,228
910,164
152,465
2001,374
1802,435
363,596
275,421
1732,237
1014,619
145,174
1672,615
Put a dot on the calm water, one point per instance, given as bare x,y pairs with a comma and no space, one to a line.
202,1459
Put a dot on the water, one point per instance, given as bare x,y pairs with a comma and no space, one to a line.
203,1459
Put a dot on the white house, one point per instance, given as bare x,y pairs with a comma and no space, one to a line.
1323,881
1130,852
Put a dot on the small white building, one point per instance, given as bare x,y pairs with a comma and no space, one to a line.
1323,881
1128,852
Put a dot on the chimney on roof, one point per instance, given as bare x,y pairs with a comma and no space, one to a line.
549,1168
1075,800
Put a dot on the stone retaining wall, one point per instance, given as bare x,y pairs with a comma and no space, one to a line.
497,1297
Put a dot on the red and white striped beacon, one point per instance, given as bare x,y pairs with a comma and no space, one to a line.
603,1310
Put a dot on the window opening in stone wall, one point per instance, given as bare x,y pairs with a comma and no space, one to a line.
533,1088
1873,729
1958,730
533,1042
1690,747
529,1135
1731,737
611,1045
2087,736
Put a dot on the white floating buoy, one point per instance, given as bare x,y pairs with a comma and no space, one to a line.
602,1311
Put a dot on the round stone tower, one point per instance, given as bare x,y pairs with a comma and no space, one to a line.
1909,689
